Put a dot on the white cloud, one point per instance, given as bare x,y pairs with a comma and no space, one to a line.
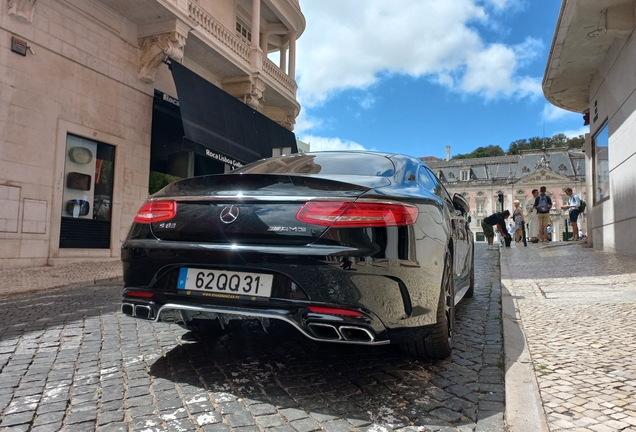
499,4
491,73
366,101
575,133
353,44
317,143
306,123
553,113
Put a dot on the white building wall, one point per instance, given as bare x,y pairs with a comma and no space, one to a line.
613,98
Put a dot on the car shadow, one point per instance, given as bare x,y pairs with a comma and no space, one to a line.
362,385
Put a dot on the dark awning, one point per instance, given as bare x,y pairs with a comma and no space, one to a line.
218,125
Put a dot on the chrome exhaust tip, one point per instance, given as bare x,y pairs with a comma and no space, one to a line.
324,331
128,309
144,311
356,334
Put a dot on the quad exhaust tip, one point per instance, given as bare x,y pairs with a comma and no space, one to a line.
139,311
343,332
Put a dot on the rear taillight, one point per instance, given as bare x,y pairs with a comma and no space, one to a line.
357,215
142,294
156,211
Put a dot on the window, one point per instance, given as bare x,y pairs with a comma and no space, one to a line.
600,161
323,163
480,207
433,184
498,204
87,195
464,175
243,32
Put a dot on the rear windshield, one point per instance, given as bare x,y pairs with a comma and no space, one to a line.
323,163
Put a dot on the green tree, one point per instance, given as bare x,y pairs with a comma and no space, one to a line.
481,152
534,143
576,142
159,180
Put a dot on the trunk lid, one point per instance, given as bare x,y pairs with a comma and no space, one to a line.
252,208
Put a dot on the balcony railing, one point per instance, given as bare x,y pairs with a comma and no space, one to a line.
218,31
238,46
276,73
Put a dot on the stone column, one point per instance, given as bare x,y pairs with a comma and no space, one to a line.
256,23
292,55
264,37
283,59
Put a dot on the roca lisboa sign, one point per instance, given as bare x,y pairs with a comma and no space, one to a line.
223,158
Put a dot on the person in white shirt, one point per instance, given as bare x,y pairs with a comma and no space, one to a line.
573,209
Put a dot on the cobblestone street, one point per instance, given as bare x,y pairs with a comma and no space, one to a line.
578,310
70,361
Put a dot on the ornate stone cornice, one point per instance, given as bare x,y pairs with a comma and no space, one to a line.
246,89
22,8
254,96
284,117
156,49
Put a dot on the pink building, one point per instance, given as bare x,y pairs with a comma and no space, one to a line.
481,180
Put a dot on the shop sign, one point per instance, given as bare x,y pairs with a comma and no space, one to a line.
170,99
223,158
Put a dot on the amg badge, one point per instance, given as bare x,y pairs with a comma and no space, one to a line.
287,229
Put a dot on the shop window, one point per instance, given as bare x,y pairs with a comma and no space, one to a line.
87,194
600,160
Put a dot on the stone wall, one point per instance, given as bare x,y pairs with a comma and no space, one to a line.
80,77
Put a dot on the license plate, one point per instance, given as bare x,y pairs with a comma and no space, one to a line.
225,282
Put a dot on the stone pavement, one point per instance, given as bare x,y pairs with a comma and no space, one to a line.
70,361
577,309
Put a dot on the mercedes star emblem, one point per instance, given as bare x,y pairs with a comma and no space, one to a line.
229,214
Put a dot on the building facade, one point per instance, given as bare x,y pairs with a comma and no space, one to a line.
590,70
93,112
481,180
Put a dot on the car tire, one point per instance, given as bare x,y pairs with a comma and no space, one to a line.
471,288
439,343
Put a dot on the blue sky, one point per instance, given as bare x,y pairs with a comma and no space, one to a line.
412,76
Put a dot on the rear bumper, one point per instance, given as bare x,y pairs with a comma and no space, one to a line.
318,327
397,297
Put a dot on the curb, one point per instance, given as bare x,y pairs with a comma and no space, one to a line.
524,407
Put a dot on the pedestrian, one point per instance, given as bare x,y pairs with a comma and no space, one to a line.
573,210
542,205
517,217
511,228
533,230
496,219
549,229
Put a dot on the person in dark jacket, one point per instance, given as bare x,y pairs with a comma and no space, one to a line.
542,205
496,219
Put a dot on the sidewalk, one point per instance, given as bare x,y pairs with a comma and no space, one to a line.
570,329
30,279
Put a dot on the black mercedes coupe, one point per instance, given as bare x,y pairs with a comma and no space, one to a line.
347,247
